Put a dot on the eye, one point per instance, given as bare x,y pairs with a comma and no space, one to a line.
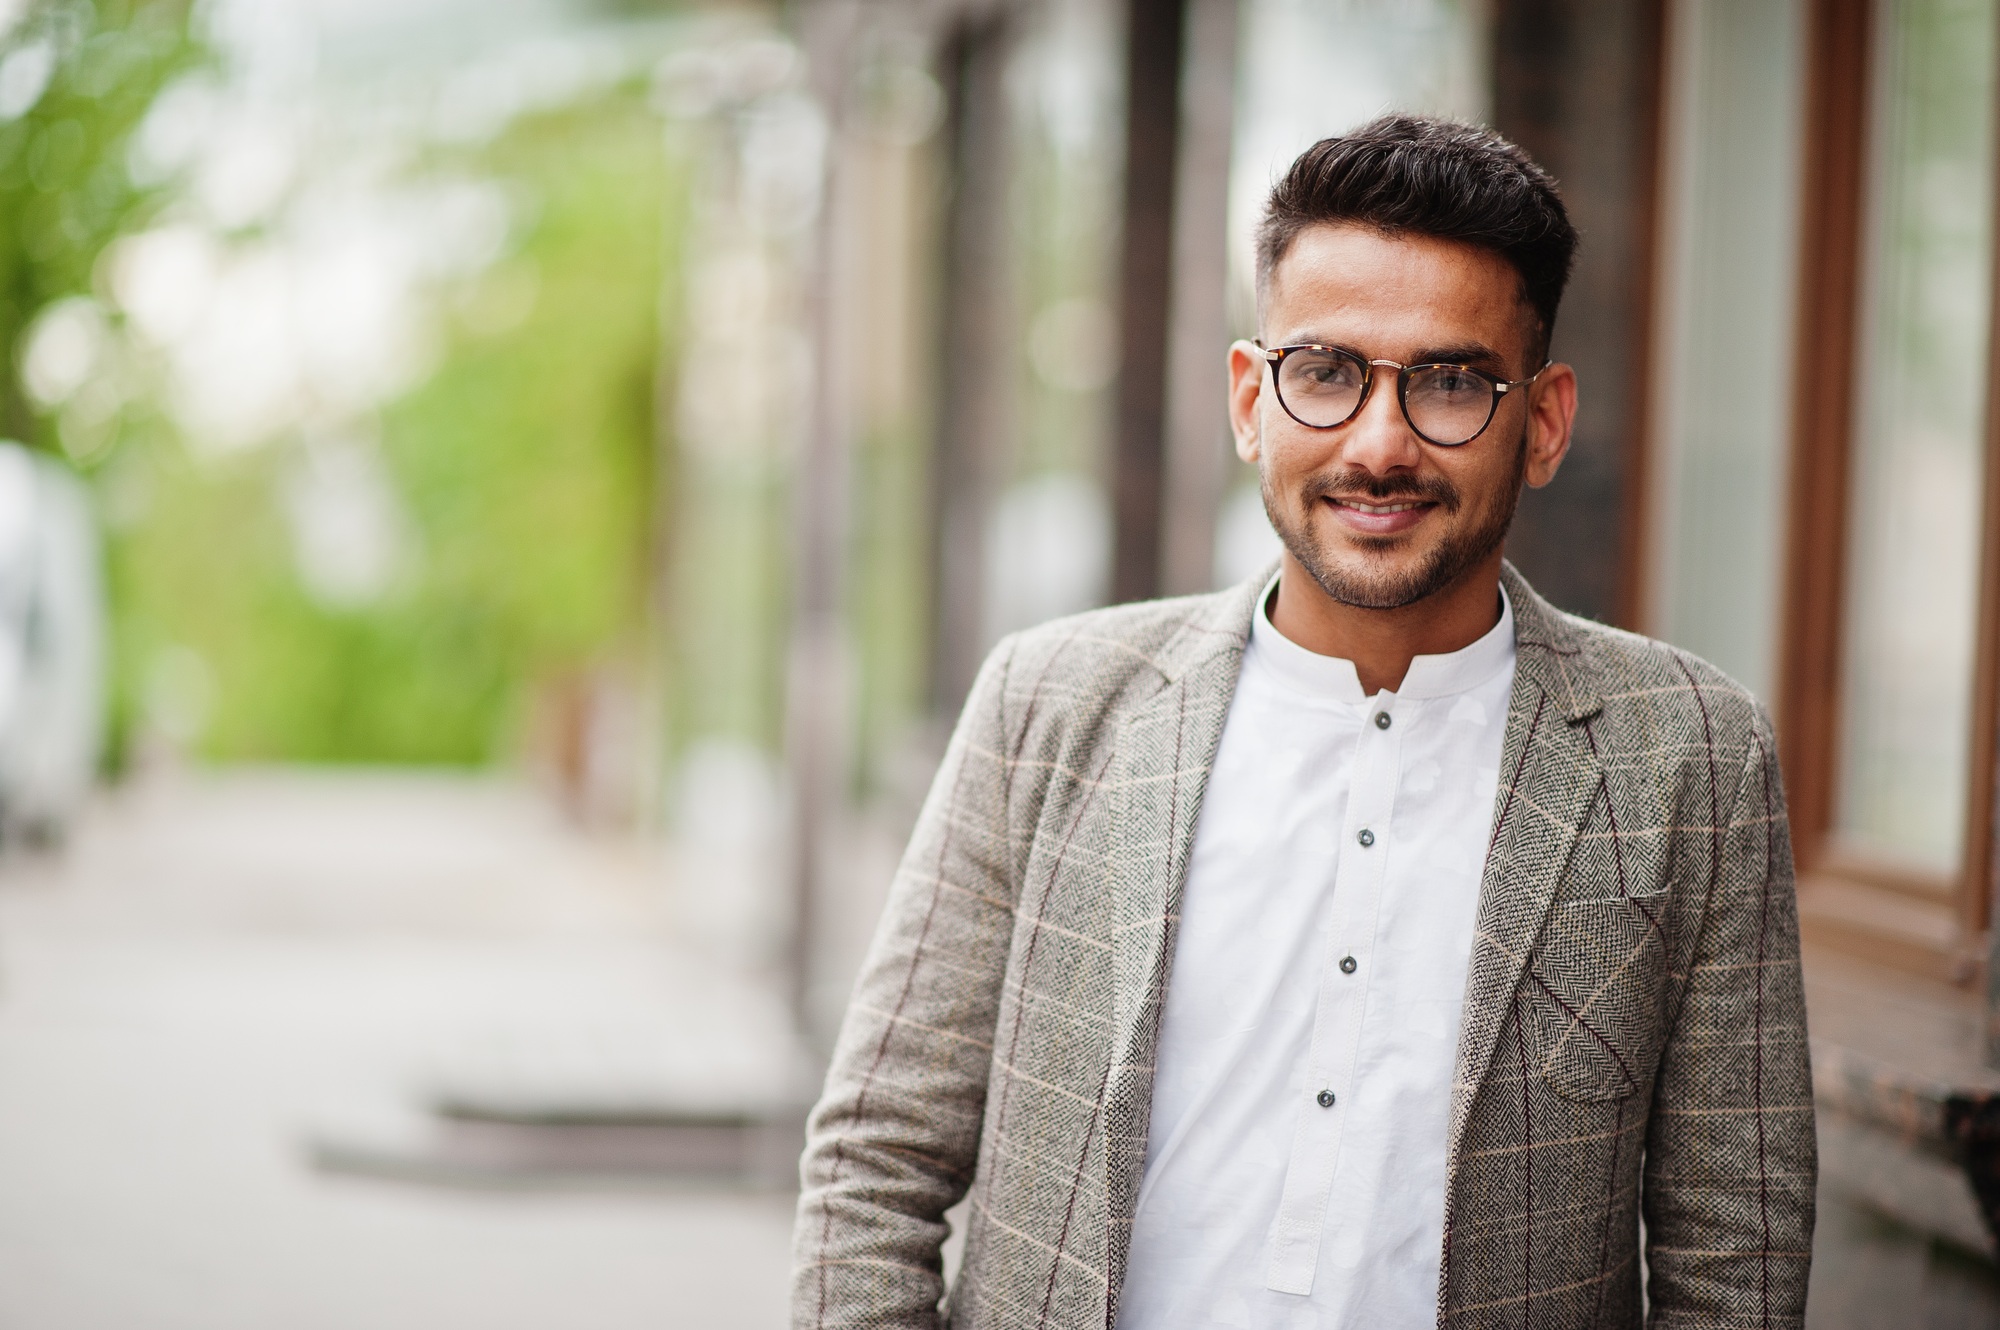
1324,371
1451,382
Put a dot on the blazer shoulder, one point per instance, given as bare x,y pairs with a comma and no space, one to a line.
1141,644
1103,661
1643,679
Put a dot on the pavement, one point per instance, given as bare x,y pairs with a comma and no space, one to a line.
232,982
224,972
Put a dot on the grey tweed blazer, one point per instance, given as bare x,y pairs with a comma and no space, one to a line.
1633,1039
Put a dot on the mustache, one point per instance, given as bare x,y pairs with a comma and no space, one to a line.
1396,488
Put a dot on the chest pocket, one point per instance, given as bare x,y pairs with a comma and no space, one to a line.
1594,996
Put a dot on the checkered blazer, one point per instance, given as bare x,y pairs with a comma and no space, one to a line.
1633,1040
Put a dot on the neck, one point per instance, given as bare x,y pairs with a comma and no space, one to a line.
1382,643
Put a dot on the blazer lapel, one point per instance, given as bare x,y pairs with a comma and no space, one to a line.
1548,776
1165,748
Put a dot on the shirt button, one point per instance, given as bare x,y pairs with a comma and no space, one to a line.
1325,1098
1367,838
1347,965
1381,720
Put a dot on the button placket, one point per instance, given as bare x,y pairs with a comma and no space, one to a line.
1292,1255
1382,716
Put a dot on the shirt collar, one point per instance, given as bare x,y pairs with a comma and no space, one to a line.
1455,672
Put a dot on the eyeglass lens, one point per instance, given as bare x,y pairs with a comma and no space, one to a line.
1444,403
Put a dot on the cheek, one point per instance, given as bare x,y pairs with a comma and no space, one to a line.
1289,450
1482,479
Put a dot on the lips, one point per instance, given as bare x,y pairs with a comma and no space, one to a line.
1379,519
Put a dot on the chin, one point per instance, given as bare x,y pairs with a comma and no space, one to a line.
1372,582
1383,559
1379,589
1383,572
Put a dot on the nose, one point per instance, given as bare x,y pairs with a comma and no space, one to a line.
1380,439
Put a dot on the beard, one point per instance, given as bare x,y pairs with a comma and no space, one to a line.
1382,588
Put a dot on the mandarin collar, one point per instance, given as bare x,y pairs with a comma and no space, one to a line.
1332,677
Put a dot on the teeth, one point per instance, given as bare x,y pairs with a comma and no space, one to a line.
1378,508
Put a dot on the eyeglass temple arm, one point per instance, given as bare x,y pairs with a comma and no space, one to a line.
1505,388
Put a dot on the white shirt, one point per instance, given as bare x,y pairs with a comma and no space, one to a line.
1326,835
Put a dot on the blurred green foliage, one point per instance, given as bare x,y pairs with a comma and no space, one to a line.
525,467
66,190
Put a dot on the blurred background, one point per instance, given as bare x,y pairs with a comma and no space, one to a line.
501,502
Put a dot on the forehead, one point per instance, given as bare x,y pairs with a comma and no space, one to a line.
1395,293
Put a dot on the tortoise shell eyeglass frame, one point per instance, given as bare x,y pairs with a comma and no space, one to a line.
1275,357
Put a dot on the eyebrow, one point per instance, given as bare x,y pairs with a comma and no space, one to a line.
1477,355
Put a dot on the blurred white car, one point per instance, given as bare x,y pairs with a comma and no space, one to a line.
51,645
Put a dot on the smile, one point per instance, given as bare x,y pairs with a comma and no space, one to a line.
1376,521
1375,509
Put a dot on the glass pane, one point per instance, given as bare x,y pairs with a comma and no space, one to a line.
1914,502
1726,340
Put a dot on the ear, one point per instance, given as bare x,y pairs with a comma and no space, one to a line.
1551,418
1246,386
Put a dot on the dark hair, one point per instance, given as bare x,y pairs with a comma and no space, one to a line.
1426,176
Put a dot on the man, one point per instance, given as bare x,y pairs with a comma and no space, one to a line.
1369,946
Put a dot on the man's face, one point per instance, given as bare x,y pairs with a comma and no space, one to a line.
1376,515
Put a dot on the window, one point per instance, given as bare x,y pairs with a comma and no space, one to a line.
1728,239
1819,512
1911,597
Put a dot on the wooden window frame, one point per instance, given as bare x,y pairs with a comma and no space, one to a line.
1932,924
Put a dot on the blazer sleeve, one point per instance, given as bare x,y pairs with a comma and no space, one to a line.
1731,1159
894,1140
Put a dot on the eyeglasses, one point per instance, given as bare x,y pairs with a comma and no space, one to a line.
1322,387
